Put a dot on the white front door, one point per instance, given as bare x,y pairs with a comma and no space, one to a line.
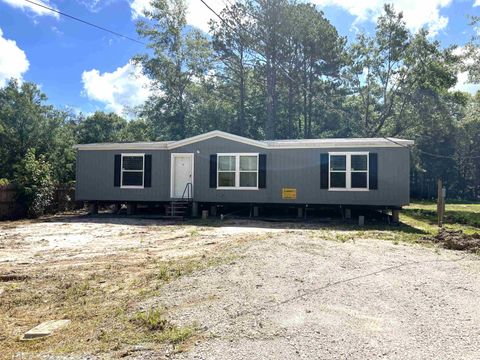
182,174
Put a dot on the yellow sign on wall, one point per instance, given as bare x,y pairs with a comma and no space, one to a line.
289,194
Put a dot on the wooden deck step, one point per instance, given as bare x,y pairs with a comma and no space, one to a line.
177,209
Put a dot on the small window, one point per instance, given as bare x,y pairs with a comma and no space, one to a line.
248,171
359,171
338,171
237,171
132,170
348,171
226,171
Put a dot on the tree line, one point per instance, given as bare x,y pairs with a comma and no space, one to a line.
274,69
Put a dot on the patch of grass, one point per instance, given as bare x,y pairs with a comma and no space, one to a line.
194,233
76,290
456,214
98,299
171,270
175,335
152,319
345,232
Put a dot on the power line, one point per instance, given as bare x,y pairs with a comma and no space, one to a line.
85,22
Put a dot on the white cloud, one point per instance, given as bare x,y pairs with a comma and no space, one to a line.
417,13
198,14
138,7
124,87
463,83
13,61
37,10
477,3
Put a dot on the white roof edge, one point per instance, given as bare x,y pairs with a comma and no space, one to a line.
271,144
123,146
401,141
217,133
339,143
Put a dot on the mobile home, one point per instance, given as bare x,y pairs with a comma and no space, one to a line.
222,168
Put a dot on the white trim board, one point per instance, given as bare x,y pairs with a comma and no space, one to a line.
267,144
217,133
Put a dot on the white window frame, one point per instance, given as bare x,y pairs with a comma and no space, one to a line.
237,171
348,170
122,171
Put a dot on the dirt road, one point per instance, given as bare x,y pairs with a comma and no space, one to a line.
283,291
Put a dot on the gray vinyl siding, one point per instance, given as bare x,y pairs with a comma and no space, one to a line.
292,168
95,175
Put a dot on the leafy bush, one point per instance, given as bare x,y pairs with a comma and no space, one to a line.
4,182
34,181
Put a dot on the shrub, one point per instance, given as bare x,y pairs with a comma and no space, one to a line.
34,182
4,182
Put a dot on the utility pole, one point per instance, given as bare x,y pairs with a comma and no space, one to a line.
440,202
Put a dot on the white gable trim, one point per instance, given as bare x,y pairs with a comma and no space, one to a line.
217,133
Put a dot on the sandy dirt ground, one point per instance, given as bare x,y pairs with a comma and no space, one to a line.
285,291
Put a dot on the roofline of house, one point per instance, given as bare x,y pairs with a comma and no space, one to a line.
270,144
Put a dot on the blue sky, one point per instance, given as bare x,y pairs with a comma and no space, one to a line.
85,69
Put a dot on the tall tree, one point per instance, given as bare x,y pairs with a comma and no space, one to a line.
25,123
179,58
231,41
313,55
101,127
269,18
468,150
391,69
378,73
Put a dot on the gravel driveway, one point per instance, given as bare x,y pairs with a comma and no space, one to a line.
281,291
292,296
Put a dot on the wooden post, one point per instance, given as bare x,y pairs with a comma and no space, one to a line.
396,216
444,195
440,203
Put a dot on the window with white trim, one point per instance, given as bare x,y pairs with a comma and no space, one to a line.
348,171
237,171
132,170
